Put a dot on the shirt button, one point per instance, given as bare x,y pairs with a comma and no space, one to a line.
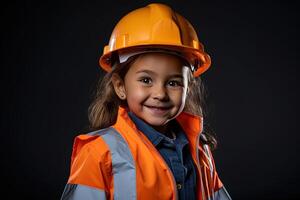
179,186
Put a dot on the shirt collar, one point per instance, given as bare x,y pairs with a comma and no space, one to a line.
156,137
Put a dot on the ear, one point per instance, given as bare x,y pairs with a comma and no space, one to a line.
119,86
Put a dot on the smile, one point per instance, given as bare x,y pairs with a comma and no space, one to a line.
158,110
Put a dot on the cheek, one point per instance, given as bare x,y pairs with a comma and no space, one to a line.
179,97
135,95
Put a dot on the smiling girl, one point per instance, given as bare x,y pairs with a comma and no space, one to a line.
148,140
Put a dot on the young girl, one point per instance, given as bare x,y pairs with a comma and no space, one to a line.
148,141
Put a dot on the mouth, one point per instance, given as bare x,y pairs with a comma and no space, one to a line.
158,109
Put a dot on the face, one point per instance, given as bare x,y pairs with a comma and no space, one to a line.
155,88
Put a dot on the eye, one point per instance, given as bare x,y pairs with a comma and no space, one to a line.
175,83
146,80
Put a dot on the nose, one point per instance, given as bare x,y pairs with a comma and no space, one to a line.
160,93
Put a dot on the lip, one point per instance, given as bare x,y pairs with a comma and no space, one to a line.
158,110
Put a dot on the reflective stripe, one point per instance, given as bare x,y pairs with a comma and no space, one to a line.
210,163
123,165
79,192
221,194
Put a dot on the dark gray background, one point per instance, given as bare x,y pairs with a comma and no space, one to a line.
49,55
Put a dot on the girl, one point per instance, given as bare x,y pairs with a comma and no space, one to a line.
148,141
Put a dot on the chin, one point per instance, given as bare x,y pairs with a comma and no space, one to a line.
156,122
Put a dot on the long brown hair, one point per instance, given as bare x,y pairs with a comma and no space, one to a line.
103,110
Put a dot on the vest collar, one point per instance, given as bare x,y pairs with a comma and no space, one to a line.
191,124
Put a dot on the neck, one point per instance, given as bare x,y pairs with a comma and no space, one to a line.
165,129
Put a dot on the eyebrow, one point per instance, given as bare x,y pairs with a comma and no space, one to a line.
154,73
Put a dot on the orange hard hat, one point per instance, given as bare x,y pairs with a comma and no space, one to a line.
155,27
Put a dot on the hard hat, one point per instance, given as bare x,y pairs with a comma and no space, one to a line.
155,27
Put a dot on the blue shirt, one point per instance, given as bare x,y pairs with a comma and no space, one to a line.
176,154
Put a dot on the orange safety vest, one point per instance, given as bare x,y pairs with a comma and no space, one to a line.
120,162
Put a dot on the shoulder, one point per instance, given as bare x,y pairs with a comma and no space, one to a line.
97,142
91,145
91,160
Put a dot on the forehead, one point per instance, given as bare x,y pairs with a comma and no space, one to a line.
161,63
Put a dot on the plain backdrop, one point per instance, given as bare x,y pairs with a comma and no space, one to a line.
49,68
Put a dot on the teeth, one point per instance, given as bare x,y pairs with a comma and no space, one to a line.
158,108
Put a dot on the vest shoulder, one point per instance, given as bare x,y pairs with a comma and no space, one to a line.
91,142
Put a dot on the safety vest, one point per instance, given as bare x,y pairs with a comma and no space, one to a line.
120,163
